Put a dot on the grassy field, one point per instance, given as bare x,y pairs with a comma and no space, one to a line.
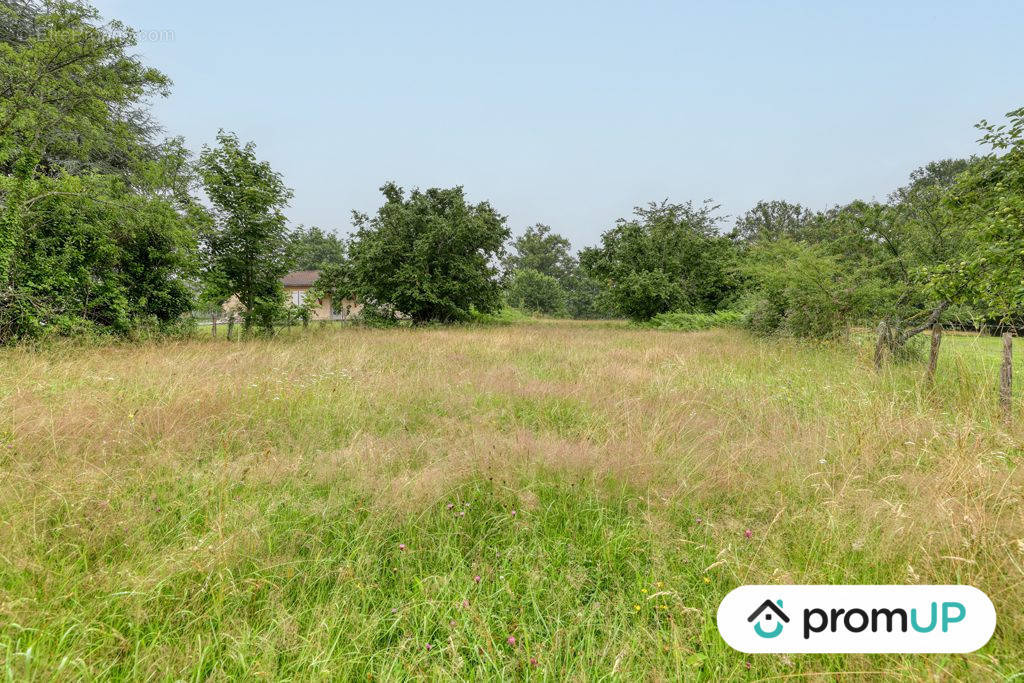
539,501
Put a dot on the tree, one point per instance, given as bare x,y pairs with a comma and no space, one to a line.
430,256
542,251
669,257
988,199
536,292
773,220
246,246
314,249
802,290
96,221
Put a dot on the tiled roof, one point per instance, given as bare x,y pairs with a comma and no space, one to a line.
301,278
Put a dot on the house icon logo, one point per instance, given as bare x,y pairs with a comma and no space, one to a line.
765,614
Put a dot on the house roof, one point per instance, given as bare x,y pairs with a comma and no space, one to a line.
766,605
301,278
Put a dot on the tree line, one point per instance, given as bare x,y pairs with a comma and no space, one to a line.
105,226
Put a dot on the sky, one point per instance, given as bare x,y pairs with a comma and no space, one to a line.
572,113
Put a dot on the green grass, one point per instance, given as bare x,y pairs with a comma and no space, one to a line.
213,510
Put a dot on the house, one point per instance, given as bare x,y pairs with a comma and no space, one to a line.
296,289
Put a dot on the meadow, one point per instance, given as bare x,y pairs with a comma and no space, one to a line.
537,501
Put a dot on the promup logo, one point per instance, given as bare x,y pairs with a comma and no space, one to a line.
856,619
765,613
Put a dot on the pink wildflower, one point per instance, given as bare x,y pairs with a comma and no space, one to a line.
748,533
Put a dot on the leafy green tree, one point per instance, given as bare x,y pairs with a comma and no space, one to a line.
96,221
988,199
542,251
246,248
669,257
773,220
802,290
535,292
429,256
313,249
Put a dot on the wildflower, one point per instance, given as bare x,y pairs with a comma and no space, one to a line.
429,647
533,661
644,591
748,533
636,607
452,623
661,584
707,579
401,546
822,461
513,513
465,604
699,520
476,579
512,641
449,506
462,514
394,610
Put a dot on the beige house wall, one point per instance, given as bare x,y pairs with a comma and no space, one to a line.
323,310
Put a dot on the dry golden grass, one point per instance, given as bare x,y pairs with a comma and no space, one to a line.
208,509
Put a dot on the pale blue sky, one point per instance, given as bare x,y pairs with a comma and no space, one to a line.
572,113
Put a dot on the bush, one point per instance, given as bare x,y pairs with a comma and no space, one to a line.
692,322
506,316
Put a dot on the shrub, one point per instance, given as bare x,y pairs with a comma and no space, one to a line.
692,322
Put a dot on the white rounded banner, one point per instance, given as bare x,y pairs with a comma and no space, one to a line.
889,619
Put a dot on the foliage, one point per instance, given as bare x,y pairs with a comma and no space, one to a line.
989,200
542,251
97,227
669,257
858,263
246,247
536,292
429,256
503,316
313,249
773,220
693,322
803,291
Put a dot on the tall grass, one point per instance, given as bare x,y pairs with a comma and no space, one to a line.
355,503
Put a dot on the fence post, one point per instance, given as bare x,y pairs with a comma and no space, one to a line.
213,324
933,358
1006,379
883,333
231,327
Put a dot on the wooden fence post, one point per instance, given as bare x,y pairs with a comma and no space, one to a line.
231,327
933,358
1006,379
883,334
213,324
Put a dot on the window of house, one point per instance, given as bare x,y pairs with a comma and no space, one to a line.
298,296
